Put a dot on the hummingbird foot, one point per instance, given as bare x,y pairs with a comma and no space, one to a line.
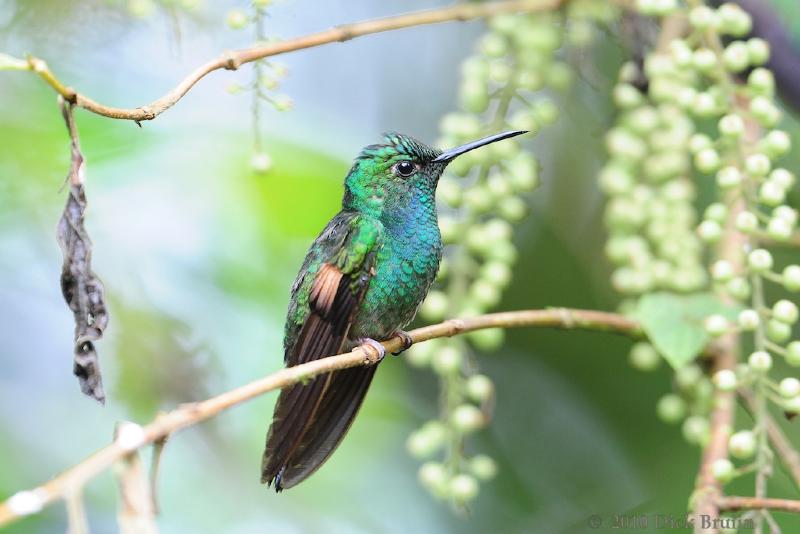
373,350
405,337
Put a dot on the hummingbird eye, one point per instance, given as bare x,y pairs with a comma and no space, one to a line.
404,168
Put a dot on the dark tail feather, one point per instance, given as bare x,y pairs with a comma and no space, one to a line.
310,422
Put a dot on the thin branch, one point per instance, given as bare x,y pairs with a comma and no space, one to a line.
734,504
135,437
234,59
786,453
724,354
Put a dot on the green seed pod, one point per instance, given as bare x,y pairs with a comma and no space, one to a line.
488,339
483,467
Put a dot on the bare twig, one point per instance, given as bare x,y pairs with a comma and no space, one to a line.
191,414
76,515
234,59
136,514
734,503
724,354
155,463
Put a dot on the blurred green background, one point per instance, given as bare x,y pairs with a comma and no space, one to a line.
197,254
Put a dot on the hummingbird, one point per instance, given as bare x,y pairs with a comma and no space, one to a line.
362,280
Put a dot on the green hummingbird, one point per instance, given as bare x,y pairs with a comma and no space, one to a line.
362,280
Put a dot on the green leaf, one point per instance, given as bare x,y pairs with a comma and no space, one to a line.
674,323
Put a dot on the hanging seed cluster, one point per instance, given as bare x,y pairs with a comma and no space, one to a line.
709,113
504,85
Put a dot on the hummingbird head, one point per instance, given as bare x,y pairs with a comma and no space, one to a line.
388,177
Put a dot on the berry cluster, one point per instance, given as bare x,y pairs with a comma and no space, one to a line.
483,194
267,76
708,106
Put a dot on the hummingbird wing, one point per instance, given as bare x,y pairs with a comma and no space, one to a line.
311,419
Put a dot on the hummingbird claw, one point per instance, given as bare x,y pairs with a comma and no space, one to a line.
405,337
373,350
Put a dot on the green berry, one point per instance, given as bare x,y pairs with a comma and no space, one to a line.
479,388
757,164
791,278
760,361
447,360
736,56
698,142
749,320
493,45
236,19
747,222
777,143
782,177
704,59
434,306
487,339
729,177
786,213
779,229
695,430
513,208
483,467
761,81
626,96
733,20
722,271
725,380
723,470
789,387
742,444
764,111
778,331
785,311
759,260
716,212
707,160
738,288
467,418
433,476
703,17
716,325
757,51
709,231
421,354
731,125
261,163
793,353
671,408
644,357
463,488
771,193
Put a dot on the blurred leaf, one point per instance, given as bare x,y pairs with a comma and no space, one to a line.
160,361
674,323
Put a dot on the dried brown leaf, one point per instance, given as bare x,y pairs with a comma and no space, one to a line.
81,288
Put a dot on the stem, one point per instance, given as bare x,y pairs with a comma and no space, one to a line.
234,59
191,414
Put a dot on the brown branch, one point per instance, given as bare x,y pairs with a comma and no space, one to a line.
234,59
724,354
734,504
165,424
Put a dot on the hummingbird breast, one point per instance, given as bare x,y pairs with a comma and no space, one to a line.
405,268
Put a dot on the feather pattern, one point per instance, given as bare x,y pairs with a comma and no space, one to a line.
310,420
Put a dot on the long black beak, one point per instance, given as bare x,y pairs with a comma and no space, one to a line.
449,155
